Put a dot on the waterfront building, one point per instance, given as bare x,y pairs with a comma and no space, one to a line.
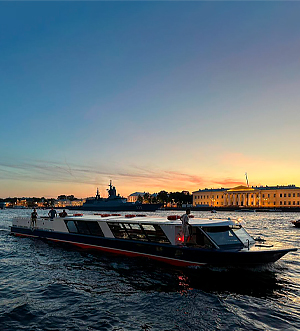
245,196
133,197
65,203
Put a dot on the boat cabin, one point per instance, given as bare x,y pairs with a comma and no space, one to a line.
208,233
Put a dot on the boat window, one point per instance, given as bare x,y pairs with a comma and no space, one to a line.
242,235
135,226
136,232
71,226
148,227
223,236
94,228
198,238
154,233
82,227
118,230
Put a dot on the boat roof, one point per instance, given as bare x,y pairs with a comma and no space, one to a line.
157,220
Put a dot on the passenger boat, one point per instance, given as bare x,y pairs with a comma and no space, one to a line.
211,241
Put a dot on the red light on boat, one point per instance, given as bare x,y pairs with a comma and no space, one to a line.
180,239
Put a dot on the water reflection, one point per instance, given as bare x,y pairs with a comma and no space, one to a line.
144,275
253,282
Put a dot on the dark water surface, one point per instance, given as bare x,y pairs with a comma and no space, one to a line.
45,286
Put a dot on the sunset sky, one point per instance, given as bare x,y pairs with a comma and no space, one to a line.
151,95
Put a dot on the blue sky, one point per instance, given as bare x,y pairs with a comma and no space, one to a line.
152,95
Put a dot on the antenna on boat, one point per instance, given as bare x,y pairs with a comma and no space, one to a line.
247,179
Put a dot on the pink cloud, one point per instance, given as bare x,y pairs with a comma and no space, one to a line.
229,182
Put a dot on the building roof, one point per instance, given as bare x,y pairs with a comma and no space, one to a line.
212,190
241,188
282,187
136,194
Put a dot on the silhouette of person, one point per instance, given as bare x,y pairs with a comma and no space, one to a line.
185,225
34,216
52,213
63,214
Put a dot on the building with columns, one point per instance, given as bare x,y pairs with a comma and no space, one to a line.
245,196
133,197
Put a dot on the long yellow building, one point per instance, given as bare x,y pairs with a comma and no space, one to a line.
244,196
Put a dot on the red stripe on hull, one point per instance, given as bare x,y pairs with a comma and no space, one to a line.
175,262
178,263
23,235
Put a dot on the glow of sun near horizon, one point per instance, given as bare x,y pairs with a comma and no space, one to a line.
151,95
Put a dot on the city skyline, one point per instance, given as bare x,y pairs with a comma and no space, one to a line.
151,95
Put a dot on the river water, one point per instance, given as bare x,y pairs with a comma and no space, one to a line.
45,286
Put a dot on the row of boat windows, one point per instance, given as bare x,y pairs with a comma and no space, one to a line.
222,236
145,232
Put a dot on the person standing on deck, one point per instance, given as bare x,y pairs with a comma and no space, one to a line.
185,225
33,218
52,213
63,214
